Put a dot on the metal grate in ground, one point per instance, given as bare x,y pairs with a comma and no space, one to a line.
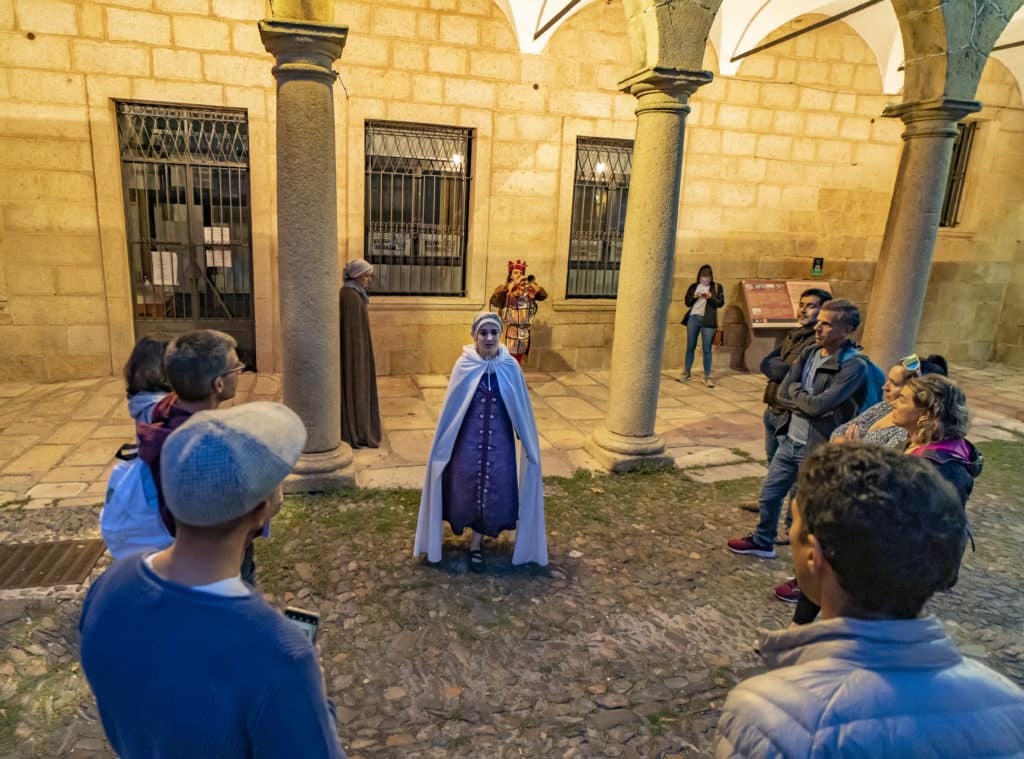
41,565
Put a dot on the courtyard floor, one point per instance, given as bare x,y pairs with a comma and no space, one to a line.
625,646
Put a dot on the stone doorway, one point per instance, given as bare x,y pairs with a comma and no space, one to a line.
185,174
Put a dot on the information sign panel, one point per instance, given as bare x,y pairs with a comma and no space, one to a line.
772,303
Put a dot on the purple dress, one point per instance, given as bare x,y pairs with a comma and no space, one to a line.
479,486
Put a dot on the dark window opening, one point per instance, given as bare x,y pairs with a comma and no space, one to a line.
599,198
417,207
952,203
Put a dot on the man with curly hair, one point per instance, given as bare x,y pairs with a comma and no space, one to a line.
875,534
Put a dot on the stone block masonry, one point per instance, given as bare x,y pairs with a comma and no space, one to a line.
786,161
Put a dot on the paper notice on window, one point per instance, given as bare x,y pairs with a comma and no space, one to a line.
216,235
218,257
165,268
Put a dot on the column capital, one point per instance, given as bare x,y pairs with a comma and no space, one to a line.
658,88
937,117
303,49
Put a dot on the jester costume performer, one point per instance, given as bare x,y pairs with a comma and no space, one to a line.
516,301
472,478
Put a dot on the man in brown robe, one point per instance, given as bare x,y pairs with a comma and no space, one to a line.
360,411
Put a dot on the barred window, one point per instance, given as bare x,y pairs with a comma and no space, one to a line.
599,198
417,207
952,203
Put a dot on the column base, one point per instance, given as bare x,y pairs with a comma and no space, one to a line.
622,453
319,472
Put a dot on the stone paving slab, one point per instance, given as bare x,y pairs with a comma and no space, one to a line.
697,456
394,477
727,472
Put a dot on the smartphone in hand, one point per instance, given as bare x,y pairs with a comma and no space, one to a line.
308,621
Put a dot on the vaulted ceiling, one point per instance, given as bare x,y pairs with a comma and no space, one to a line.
742,24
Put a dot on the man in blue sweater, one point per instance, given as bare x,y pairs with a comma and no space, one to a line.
184,658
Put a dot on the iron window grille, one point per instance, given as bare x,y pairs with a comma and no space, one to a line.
952,203
599,198
185,174
417,207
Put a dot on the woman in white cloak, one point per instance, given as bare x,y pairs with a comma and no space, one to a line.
472,479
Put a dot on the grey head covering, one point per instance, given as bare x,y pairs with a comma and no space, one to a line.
357,267
220,465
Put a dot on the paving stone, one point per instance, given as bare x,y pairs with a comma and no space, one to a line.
124,432
728,472
555,462
567,438
700,456
14,445
99,452
424,381
57,490
1011,425
96,407
412,446
576,409
396,387
17,484
395,477
408,422
37,459
85,474
71,432
13,389
580,459
753,448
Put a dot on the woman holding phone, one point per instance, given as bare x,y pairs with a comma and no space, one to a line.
703,299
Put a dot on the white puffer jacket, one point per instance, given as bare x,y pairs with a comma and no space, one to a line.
854,688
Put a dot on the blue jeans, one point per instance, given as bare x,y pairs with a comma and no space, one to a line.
694,327
772,420
780,479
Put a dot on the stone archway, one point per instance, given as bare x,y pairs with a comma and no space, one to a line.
946,47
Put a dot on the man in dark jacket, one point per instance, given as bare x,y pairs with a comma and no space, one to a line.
776,364
822,390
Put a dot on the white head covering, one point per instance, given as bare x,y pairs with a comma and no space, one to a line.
357,267
485,317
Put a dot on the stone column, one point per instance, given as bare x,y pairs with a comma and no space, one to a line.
648,265
307,239
904,264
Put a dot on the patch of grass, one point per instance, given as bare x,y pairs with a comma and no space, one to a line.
1004,469
546,669
741,453
459,741
15,502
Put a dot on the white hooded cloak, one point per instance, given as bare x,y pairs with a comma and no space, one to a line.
531,539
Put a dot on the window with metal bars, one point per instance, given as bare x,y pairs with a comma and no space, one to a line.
417,207
952,202
599,197
185,176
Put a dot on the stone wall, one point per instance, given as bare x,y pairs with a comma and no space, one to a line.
786,161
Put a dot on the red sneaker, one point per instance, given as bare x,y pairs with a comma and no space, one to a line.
747,546
789,591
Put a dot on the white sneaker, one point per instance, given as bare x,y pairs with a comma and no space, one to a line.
708,382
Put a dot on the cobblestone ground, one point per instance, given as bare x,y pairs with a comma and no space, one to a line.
625,646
